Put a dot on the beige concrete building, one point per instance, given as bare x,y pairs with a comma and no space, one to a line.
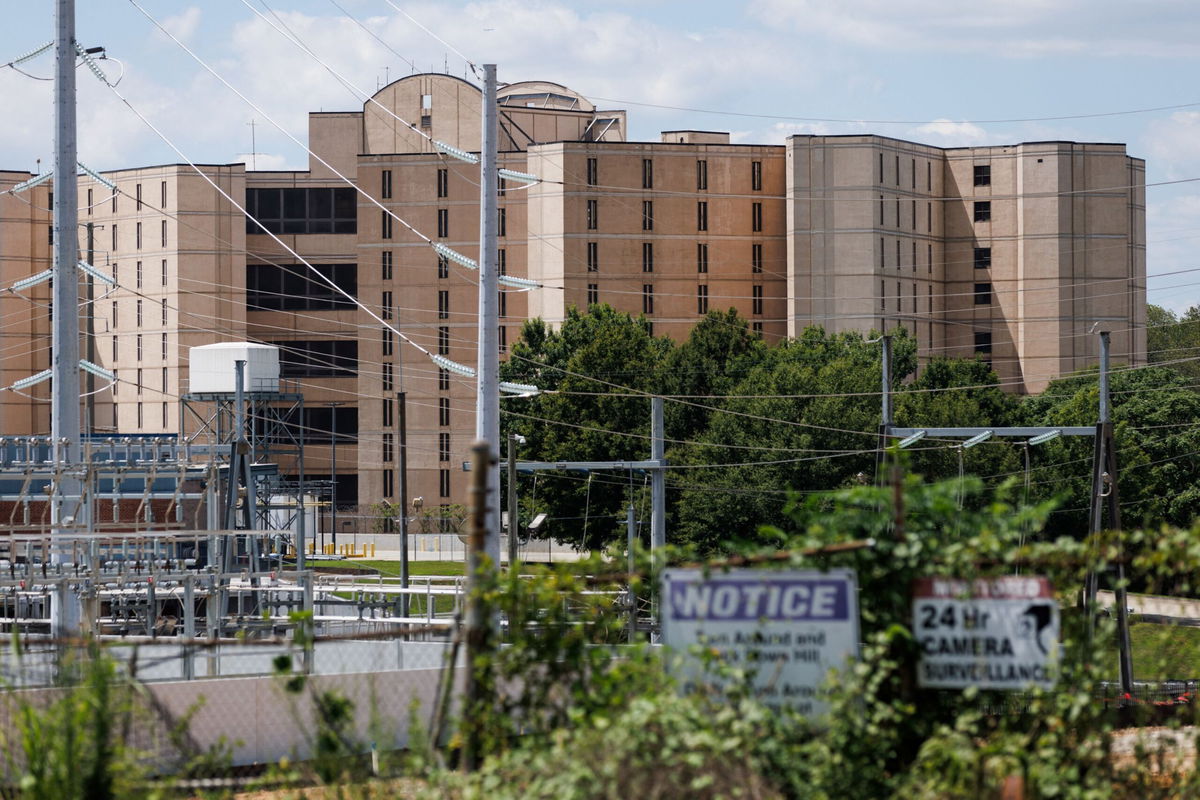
1012,252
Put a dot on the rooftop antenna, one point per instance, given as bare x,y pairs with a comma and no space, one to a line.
253,146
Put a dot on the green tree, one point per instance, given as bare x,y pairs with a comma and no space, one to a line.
587,413
1171,338
1154,412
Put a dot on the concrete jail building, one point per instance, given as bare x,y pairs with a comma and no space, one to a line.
1012,252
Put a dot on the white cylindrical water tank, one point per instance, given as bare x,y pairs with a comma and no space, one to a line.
212,367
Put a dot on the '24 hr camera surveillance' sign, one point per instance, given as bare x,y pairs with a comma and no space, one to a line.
994,633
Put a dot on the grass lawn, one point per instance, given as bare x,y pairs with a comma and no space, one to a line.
1164,652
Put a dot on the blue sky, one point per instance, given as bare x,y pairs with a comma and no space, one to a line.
938,71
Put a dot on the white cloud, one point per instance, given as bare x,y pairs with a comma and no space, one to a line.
1016,28
948,133
183,25
1174,144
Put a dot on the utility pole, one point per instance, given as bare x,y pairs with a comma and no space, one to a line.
513,527
1105,495
90,401
64,402
658,478
477,625
487,364
333,498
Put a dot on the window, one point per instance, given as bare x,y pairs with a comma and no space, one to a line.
929,176
163,347
898,264
983,257
443,183
385,189
502,261
443,341
647,174
137,272
702,215
502,338
139,413
756,258
647,215
501,187
757,327
593,294
983,175
914,173
318,358
701,176
163,190
319,423
443,446
316,210
756,217
882,285
756,302
503,303
385,224
137,235
593,215
164,380
163,231
138,312
502,223
443,267
647,257
593,257
914,256
443,380
443,483
89,202
164,415
881,211
164,312
983,342
388,411
114,203
647,298
882,253
702,299
881,167
388,342
983,211
294,287
139,388
914,214
114,348
385,305
929,217
592,172
443,225
756,176
163,271
897,170
389,485
702,258
114,314
114,232
444,412
115,384
385,265
983,294
443,304
897,212
388,377
914,298
929,258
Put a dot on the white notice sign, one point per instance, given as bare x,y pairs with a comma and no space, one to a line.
994,633
788,627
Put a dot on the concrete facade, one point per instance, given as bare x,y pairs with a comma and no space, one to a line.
1013,252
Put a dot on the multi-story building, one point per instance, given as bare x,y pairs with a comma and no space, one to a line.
1011,252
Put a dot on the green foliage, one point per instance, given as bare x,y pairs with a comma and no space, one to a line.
72,742
1174,339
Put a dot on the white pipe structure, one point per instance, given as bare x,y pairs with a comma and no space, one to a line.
487,369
